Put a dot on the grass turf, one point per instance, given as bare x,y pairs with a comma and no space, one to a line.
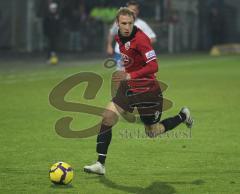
205,160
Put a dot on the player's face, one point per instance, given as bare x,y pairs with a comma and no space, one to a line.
134,9
125,24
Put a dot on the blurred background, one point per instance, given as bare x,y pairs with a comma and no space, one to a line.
181,26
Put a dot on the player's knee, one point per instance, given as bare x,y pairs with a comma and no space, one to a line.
109,118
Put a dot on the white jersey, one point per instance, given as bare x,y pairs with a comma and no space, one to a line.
142,25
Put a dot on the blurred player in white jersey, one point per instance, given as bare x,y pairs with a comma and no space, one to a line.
134,7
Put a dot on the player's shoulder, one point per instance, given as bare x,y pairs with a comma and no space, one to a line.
140,22
141,36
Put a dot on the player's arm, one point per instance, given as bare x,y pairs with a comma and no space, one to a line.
149,32
109,44
150,68
150,58
112,32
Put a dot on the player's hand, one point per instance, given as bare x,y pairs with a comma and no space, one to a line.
117,77
109,50
120,76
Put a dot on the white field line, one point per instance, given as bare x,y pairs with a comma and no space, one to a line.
51,75
31,77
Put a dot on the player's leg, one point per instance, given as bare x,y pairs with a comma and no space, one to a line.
170,123
110,118
119,105
151,113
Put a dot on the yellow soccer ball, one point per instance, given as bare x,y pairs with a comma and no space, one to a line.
61,173
53,60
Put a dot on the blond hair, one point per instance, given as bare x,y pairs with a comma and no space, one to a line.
124,11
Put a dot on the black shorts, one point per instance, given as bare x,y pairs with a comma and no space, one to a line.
148,103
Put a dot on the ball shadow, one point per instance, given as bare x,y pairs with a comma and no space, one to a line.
55,186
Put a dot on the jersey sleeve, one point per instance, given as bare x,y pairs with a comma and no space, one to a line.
146,50
150,68
150,59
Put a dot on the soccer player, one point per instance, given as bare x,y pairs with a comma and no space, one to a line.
137,85
135,8
51,27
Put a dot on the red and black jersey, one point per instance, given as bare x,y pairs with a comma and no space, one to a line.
138,57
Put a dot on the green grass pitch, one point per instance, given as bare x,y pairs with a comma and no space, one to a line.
204,160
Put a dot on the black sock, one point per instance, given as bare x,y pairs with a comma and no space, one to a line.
103,140
171,123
